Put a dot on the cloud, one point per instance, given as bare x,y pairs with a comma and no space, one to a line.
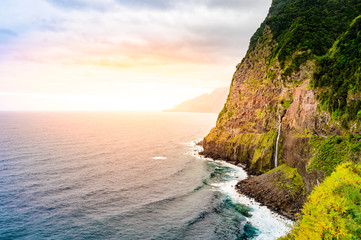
6,35
97,5
236,4
7,32
187,43
156,4
210,25
167,5
69,3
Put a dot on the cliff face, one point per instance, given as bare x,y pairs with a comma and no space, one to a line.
247,126
279,81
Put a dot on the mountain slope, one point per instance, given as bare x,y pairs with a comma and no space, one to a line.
206,103
302,69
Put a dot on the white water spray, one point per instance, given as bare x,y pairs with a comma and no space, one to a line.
270,224
277,140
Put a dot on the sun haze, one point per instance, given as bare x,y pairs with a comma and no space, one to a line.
119,54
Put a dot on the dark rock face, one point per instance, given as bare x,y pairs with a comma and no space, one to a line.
247,126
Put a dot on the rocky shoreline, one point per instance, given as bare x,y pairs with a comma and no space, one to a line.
265,190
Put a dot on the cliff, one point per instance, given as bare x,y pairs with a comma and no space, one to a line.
302,69
206,103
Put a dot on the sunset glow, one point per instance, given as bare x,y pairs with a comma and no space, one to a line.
119,55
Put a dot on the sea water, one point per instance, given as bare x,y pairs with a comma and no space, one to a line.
121,176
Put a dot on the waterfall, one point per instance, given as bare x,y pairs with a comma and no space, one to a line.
277,140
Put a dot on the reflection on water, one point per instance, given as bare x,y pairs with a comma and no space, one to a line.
114,176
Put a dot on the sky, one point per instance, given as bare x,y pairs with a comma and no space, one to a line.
120,54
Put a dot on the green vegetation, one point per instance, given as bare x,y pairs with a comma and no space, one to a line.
225,113
255,148
338,76
333,210
295,64
260,114
262,157
290,181
327,31
220,115
305,29
285,103
271,75
329,152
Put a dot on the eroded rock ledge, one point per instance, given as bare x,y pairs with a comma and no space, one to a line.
280,189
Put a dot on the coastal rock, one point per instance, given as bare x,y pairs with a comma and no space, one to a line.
281,189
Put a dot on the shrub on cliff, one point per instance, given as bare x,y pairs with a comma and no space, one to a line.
333,150
333,210
306,26
325,31
338,76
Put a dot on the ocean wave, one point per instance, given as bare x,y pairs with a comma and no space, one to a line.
159,158
270,225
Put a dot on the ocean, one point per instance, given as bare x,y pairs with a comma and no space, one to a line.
121,175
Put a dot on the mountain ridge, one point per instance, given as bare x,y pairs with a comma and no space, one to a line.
206,103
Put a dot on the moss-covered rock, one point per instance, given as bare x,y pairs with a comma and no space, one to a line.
254,150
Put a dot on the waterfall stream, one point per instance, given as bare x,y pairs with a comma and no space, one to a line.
277,140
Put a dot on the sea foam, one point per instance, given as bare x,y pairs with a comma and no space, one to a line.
270,224
159,158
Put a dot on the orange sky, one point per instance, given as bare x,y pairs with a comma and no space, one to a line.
119,55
